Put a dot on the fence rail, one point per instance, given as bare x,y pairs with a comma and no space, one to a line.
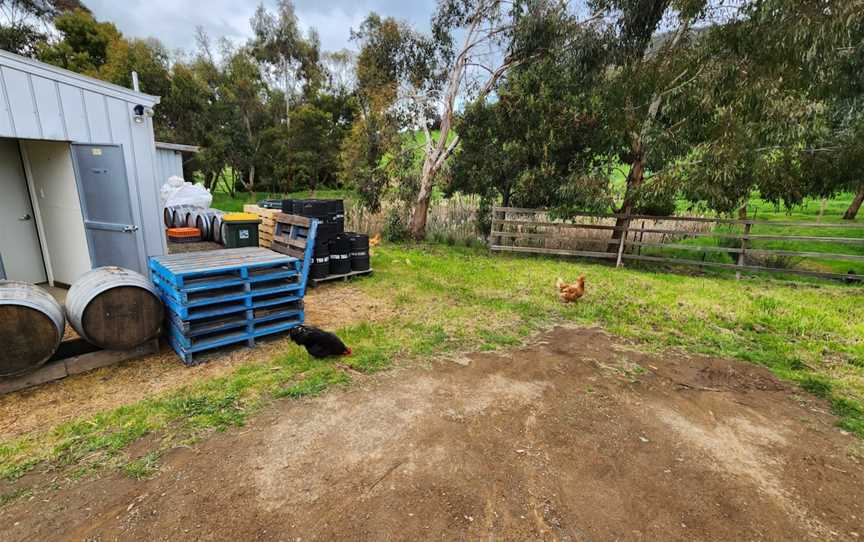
622,238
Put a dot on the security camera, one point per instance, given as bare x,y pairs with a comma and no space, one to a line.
138,110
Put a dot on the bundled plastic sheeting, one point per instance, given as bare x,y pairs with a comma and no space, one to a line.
178,192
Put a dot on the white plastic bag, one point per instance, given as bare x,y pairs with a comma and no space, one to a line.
178,192
168,189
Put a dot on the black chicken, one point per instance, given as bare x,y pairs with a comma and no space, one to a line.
319,343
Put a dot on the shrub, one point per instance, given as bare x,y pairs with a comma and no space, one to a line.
774,261
395,229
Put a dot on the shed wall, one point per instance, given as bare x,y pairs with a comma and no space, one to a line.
168,163
41,102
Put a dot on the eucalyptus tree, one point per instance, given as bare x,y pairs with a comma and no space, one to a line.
475,44
532,146
781,102
390,55
289,57
24,24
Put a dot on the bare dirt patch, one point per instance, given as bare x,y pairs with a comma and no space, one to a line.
110,387
576,436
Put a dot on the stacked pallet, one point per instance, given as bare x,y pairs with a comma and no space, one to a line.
222,297
267,228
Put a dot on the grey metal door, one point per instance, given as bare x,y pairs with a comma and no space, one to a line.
112,234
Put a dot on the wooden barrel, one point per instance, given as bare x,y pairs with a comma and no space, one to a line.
204,223
114,308
216,227
203,220
180,216
31,327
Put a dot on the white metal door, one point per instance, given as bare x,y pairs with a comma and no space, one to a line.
104,190
19,242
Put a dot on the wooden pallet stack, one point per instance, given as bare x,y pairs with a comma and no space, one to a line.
291,236
290,239
267,228
222,297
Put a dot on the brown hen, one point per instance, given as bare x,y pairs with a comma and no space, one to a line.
568,293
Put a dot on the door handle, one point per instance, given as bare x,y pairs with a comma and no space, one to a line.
130,229
25,218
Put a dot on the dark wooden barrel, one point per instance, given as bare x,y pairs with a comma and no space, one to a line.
181,216
203,220
31,327
216,227
320,266
359,251
340,255
114,308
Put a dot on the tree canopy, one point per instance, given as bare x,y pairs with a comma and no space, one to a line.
616,105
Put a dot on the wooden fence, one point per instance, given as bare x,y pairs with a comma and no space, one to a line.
594,236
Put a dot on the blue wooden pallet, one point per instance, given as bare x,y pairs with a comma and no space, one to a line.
188,347
216,268
218,290
194,328
252,300
233,296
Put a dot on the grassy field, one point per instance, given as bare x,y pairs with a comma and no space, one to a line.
439,300
810,212
224,201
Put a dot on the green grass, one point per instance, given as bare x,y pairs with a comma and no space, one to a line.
143,467
225,202
439,299
808,212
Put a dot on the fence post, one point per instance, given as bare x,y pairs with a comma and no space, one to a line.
741,255
623,238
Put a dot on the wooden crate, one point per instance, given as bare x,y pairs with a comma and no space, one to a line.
267,228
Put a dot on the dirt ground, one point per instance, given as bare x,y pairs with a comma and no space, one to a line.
130,381
576,436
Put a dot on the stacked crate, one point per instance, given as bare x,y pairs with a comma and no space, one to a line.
222,297
267,228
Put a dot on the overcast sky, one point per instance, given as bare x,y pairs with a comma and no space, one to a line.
174,21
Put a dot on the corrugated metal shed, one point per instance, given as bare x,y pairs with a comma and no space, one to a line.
169,160
39,101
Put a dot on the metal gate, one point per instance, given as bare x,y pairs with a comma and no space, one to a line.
103,187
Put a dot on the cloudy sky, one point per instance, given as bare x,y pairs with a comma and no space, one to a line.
174,21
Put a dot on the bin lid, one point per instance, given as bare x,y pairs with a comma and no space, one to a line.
184,232
240,217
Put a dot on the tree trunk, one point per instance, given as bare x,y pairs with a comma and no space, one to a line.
251,183
287,103
210,180
417,224
634,181
852,211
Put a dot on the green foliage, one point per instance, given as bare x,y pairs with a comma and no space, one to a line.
395,228
304,154
84,45
291,58
23,22
361,155
391,54
532,146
